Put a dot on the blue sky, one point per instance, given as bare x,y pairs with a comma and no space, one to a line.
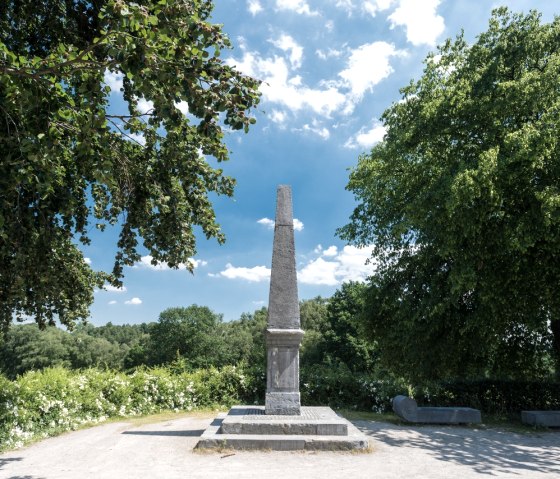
330,69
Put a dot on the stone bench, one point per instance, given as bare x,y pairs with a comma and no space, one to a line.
407,409
541,418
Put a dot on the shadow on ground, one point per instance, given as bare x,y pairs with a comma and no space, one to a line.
4,461
486,452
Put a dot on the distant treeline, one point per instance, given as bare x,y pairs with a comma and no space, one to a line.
193,337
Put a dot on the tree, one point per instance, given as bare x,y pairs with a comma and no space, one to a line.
69,163
190,333
343,338
462,202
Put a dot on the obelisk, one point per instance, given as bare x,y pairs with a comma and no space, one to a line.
283,334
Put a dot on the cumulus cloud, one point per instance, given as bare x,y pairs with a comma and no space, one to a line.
370,7
297,6
374,6
133,301
112,302
287,44
145,106
366,138
255,274
368,65
266,222
113,80
87,260
423,25
317,129
147,262
136,137
333,267
281,88
298,225
182,106
113,289
254,7
278,117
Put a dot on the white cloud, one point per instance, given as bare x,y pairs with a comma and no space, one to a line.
145,106
317,129
298,225
346,265
423,25
254,7
137,137
146,262
330,53
267,222
368,65
113,80
278,87
278,117
112,302
113,289
133,301
367,138
319,272
255,274
87,260
287,44
297,6
183,107
374,6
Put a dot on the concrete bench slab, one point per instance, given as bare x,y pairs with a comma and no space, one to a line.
407,409
541,418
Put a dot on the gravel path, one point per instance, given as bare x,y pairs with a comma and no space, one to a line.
165,450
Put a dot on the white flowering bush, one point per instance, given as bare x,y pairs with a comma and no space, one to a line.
43,403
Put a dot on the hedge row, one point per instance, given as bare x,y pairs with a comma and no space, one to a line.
44,403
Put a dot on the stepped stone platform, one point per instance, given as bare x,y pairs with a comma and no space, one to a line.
316,428
541,418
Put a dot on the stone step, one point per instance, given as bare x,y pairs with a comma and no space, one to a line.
215,438
318,421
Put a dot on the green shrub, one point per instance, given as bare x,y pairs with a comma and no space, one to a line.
43,403
501,397
338,387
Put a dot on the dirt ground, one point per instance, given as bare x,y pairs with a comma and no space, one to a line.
165,450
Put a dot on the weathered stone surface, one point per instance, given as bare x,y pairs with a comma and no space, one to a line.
282,433
320,421
283,335
407,409
541,418
283,304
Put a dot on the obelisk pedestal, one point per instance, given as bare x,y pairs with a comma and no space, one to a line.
283,334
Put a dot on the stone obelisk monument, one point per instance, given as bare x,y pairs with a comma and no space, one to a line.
283,334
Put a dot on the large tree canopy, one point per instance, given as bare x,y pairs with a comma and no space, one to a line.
462,201
69,163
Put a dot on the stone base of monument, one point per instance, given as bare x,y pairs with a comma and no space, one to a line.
315,429
541,418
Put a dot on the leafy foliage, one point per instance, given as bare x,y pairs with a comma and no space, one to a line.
69,163
462,202
45,403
